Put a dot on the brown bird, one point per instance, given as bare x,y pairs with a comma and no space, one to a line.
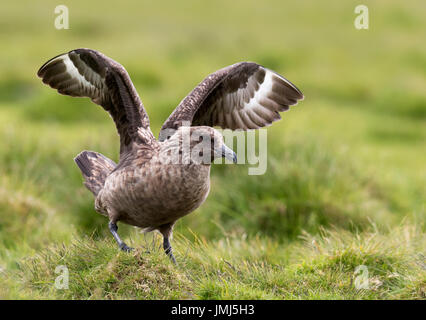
156,182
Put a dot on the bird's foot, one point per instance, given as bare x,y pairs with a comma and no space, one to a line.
172,258
125,248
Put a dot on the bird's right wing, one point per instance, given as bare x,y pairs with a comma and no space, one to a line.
89,73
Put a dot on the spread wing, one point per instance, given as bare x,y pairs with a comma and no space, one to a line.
241,96
88,73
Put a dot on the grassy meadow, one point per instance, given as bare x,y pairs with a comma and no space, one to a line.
345,184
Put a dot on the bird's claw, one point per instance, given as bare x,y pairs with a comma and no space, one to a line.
125,248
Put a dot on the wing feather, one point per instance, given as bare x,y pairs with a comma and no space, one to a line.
241,96
89,73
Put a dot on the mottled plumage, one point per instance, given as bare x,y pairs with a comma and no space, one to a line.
156,182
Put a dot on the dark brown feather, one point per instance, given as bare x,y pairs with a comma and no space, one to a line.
107,83
242,96
95,168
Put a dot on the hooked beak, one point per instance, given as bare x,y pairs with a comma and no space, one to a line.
227,153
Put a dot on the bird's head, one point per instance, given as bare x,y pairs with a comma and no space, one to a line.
199,145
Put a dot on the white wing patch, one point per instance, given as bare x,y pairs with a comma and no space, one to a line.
257,104
73,72
62,74
262,92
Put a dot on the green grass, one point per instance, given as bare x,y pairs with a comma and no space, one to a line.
320,267
345,184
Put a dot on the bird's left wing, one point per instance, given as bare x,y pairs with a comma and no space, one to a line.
241,96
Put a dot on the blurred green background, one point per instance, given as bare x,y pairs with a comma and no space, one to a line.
349,159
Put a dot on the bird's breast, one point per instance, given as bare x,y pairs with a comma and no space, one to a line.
156,194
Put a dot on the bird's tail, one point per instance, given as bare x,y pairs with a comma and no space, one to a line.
95,168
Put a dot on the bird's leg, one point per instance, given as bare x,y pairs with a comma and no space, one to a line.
167,230
168,249
113,228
